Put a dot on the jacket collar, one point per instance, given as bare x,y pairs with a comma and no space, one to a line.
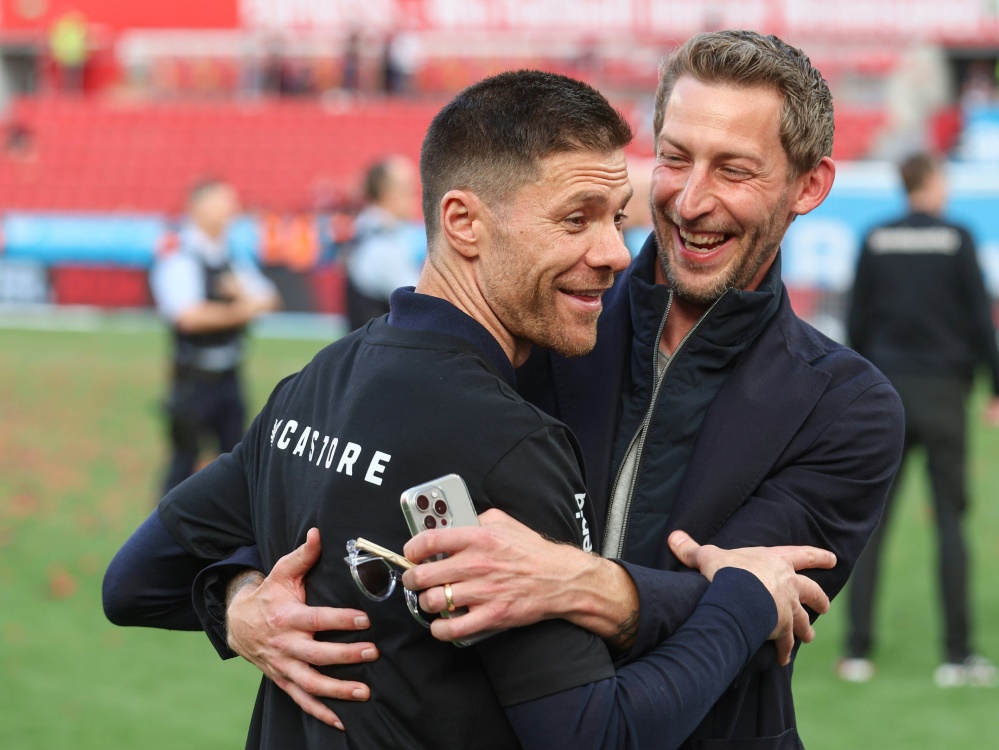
737,317
422,312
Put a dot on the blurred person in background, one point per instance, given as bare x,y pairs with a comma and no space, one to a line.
920,312
382,257
68,46
208,298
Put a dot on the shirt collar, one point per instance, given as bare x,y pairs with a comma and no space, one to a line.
422,312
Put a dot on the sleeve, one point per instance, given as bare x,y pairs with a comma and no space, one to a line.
829,495
539,483
659,700
209,514
177,284
980,309
148,582
859,312
209,594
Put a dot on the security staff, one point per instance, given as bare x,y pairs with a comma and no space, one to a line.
208,298
921,314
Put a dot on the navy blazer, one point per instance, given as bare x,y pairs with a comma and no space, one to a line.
799,446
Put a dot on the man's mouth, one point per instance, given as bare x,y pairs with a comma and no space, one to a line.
702,242
587,297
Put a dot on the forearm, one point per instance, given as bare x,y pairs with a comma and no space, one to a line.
660,699
601,597
208,317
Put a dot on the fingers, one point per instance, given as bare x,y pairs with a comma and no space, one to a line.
803,558
429,543
801,625
322,654
684,548
463,627
312,706
811,595
784,645
299,561
317,619
319,685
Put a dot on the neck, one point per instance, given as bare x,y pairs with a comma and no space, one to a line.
459,287
684,314
921,204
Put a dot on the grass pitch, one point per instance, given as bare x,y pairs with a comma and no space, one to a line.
81,455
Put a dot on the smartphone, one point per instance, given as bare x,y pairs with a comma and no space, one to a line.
442,503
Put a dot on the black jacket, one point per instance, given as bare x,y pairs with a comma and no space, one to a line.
799,446
919,303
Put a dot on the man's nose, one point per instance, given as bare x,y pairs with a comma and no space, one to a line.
697,196
609,251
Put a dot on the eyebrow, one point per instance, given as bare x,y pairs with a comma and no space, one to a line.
596,196
723,155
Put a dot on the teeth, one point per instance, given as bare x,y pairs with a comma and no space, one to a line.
701,239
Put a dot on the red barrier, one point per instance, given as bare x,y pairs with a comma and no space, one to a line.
103,286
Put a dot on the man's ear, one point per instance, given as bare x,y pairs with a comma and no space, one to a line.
814,186
462,213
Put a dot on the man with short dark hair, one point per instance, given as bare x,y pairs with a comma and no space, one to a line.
921,313
707,404
527,176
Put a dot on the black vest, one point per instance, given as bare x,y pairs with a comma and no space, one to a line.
209,353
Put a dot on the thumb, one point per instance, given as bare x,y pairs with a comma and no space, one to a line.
299,561
684,548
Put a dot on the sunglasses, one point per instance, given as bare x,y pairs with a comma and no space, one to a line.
376,578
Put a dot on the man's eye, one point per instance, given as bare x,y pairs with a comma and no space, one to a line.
577,221
619,219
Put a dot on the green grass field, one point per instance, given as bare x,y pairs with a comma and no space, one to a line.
81,452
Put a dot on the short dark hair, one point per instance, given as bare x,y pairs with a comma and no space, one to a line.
491,136
916,170
375,181
747,58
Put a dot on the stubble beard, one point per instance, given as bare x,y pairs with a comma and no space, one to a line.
534,316
762,243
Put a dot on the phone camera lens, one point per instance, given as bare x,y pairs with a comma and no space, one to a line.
430,522
440,507
422,502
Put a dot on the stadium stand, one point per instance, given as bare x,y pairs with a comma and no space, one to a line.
98,155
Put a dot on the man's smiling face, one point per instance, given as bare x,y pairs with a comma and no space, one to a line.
721,194
557,246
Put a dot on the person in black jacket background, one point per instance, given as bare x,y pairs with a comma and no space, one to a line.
920,312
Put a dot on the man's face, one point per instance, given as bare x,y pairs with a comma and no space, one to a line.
721,198
216,209
555,246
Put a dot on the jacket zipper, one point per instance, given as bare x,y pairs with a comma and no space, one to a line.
642,432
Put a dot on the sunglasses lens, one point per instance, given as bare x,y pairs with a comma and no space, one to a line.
376,578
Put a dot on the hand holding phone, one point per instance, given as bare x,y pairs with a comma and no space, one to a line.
443,503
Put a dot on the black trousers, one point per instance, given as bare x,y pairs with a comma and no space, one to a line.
201,404
936,418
